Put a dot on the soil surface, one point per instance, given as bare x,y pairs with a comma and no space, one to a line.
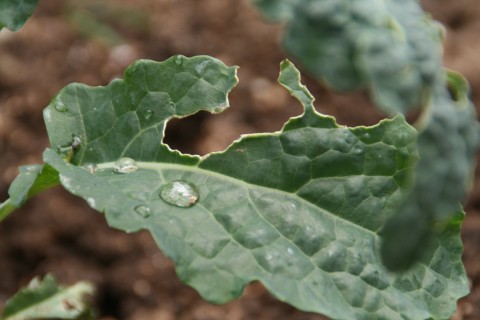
92,42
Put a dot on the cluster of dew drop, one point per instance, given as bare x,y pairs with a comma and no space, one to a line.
177,193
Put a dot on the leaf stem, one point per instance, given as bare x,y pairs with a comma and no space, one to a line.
6,208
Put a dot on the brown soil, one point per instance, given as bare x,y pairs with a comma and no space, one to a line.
58,233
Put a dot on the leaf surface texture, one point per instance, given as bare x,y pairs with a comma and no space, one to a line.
299,210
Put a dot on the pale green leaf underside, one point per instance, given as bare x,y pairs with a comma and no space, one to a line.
299,210
31,180
45,299
14,13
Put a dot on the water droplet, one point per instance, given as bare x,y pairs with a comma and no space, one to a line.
125,165
91,202
47,115
200,68
66,151
219,108
148,114
179,193
179,59
76,141
60,106
143,211
90,167
357,149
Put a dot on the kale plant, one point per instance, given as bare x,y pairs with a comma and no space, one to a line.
318,213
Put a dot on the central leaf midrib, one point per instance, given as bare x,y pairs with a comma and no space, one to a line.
160,166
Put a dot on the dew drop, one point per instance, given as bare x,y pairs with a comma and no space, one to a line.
125,165
143,211
90,167
91,202
358,149
200,68
47,114
60,106
76,141
67,150
219,108
179,59
148,114
179,193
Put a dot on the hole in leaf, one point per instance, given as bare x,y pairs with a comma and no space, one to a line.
184,134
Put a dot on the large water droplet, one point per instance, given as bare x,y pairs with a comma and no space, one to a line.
60,106
90,167
143,211
148,114
179,59
179,193
125,165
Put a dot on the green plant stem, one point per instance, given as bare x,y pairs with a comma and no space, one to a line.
6,208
